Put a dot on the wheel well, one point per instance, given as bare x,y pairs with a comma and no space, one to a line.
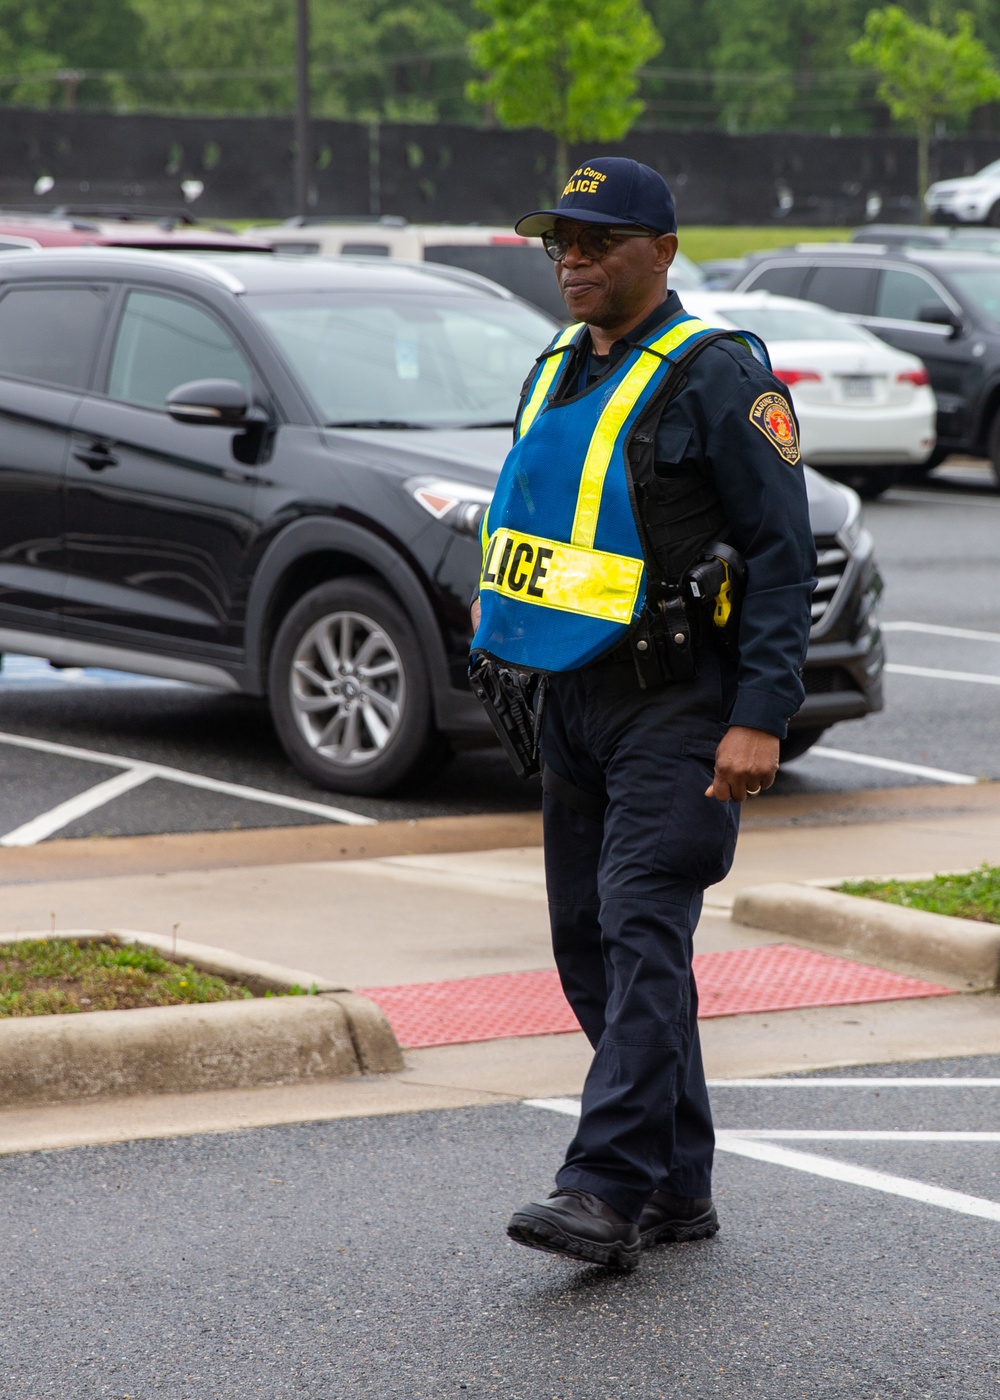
305,574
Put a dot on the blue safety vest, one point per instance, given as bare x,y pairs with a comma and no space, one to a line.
563,576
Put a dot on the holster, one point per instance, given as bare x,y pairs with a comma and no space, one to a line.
514,703
704,604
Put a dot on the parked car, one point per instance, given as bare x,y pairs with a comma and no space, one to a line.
971,199
865,410
941,305
268,475
519,264
120,230
962,240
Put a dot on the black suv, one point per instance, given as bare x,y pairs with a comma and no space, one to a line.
268,475
942,305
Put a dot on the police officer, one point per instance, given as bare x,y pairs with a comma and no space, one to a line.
646,441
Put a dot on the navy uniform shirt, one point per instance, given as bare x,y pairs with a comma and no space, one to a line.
708,429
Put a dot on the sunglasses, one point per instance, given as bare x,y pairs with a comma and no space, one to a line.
593,241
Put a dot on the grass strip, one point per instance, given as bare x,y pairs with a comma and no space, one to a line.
42,977
702,241
975,895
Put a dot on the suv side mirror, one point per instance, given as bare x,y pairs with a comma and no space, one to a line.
935,313
222,403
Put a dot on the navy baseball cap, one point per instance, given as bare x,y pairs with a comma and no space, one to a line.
608,190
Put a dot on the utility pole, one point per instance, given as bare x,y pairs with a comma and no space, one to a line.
303,142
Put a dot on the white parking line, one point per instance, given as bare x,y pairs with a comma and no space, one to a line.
56,818
177,775
894,765
868,1135
932,673
934,629
748,1143
831,1082
847,1172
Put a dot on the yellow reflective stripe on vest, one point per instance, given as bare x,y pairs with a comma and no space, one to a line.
609,426
544,381
556,575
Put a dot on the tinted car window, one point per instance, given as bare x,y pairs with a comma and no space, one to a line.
902,294
525,271
783,281
50,333
849,289
163,342
366,250
981,286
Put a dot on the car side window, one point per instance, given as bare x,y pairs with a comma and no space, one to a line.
50,333
902,294
845,289
782,281
163,342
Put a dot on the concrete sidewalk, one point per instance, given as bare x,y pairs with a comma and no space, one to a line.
416,911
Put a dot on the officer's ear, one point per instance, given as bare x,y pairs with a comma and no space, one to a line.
664,251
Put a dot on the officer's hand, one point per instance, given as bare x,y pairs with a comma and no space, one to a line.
745,762
474,612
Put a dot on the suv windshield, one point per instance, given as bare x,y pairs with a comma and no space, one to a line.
406,361
981,286
791,323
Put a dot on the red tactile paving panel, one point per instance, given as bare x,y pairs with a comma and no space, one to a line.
775,977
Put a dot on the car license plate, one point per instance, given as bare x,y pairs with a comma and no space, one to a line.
858,386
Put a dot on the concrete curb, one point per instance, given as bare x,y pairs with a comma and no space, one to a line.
187,1049
934,943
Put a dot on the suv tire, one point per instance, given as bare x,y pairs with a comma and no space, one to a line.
348,689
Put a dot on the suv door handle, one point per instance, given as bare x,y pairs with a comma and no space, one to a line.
97,456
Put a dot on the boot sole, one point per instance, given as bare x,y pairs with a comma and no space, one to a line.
537,1234
679,1232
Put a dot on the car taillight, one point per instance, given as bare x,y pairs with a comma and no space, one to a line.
508,238
918,377
798,376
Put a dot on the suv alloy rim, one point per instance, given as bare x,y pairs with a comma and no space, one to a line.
348,688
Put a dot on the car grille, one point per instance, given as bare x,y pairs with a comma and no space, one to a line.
831,561
826,680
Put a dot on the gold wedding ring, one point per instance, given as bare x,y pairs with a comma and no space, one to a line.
752,792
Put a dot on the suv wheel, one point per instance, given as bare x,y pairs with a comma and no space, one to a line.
348,689
993,449
993,217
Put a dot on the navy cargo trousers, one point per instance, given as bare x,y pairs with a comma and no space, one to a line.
625,894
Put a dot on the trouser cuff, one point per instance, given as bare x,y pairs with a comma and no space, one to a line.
626,1200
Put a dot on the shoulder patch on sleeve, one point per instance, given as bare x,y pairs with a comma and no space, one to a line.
772,415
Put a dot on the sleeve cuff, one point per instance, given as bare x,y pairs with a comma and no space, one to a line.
760,709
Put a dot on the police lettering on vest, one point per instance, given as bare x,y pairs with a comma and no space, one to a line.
563,576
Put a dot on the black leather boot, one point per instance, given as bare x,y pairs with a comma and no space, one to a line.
577,1225
667,1219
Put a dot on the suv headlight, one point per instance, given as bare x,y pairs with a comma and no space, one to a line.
849,533
457,504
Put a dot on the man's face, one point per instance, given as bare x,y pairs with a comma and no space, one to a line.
609,290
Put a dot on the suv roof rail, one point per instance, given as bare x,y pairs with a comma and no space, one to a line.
126,214
319,220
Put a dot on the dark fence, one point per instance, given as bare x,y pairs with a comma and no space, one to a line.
243,167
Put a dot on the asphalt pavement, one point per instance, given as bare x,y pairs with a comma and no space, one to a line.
937,548
367,1257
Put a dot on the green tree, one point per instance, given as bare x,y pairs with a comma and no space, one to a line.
46,36
568,68
926,74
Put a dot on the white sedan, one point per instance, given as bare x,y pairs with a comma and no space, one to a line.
865,410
